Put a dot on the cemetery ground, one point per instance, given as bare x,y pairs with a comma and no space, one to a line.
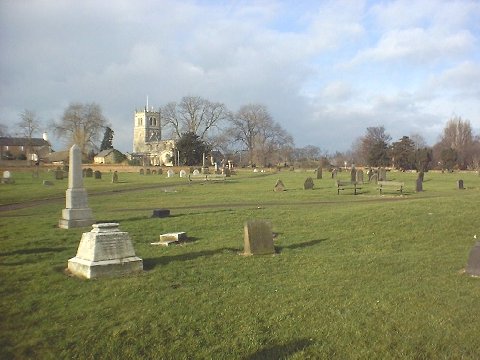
353,277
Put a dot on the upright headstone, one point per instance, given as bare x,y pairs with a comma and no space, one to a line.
76,212
382,174
460,185
419,185
59,174
258,238
319,172
148,171
114,177
196,172
98,174
103,252
353,174
374,178
142,171
279,186
473,263
308,184
88,172
183,173
170,173
228,172
7,178
359,176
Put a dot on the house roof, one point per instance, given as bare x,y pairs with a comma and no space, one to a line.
15,141
104,153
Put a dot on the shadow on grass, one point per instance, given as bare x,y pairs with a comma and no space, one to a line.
149,264
305,244
282,351
33,251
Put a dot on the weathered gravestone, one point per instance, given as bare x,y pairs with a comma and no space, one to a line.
103,252
473,263
228,172
279,186
374,178
382,174
353,174
170,173
148,172
76,212
114,177
171,238
142,172
419,185
196,172
460,185
258,238
359,177
319,172
183,173
97,174
160,171
7,178
58,174
308,184
160,213
88,172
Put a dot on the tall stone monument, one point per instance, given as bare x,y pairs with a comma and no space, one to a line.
76,212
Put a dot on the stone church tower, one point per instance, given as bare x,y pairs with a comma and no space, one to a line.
147,138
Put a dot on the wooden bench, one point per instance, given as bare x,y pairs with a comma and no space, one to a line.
345,185
396,185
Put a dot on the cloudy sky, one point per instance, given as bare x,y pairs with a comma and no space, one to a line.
326,70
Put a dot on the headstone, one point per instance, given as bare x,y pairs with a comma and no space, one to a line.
170,173
160,213
58,174
308,184
76,212
374,178
460,185
353,174
7,178
154,172
369,174
419,185
382,174
196,172
228,172
171,238
183,173
103,252
255,170
473,263
114,177
160,171
258,238
279,186
142,171
359,176
98,174
319,172
88,172
148,172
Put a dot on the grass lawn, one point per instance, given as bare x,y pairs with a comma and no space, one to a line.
353,277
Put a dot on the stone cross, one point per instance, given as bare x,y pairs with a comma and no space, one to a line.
76,212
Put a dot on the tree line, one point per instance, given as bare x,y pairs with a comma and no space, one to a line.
251,137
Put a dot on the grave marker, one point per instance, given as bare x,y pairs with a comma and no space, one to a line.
279,186
258,238
473,263
308,184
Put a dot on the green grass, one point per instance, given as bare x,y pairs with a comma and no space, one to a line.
354,277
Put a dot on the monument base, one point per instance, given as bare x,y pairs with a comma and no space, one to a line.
72,218
105,268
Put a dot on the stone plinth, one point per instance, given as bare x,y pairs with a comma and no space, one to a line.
473,264
258,238
105,251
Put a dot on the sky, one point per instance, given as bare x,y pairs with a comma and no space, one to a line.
325,70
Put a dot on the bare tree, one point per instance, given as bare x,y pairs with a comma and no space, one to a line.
81,124
457,135
28,126
194,114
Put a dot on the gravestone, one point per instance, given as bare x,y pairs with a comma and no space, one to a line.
7,178
279,186
58,174
160,171
183,173
160,213
308,184
170,173
154,172
473,263
98,174
369,174
228,172
419,185
353,174
142,172
76,212
319,172
114,177
374,178
148,172
258,238
196,172
171,238
359,176
460,185
88,172
382,174
105,251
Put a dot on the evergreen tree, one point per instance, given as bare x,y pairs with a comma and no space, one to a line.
107,142
191,149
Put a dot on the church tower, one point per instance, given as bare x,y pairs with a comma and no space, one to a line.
147,130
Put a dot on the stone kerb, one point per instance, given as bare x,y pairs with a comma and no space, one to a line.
105,251
258,238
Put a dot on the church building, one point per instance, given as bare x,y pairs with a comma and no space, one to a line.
147,139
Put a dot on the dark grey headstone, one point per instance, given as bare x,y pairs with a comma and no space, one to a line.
279,186
308,184
473,263
258,238
89,172
148,172
319,172
59,174
98,174
142,172
160,213
353,175
359,177
460,185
